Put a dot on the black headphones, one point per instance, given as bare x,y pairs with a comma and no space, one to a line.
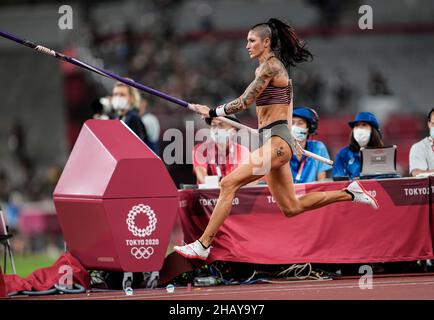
312,123
315,118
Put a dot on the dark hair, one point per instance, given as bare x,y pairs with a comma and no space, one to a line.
285,43
429,114
375,140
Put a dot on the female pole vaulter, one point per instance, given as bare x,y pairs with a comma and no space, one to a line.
277,47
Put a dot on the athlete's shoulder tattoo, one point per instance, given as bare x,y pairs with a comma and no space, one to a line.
265,73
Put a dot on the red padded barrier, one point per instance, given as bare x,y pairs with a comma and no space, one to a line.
115,200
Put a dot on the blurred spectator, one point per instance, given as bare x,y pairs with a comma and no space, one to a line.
152,126
17,144
17,141
309,87
12,210
378,84
305,169
102,109
365,133
49,182
130,47
343,92
330,12
220,155
125,101
422,153
4,186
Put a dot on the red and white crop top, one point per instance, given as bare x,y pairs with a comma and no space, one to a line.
275,95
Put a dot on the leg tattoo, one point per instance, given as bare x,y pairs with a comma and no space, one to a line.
280,152
211,238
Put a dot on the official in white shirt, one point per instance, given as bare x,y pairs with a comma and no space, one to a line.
422,152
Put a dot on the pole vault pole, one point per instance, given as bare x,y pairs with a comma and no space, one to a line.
136,85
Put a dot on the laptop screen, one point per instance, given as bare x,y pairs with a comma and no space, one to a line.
377,161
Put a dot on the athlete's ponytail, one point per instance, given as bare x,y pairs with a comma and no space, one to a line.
285,43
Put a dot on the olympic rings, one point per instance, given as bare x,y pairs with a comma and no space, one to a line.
142,252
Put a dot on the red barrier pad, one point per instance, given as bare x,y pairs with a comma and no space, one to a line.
257,232
2,285
115,200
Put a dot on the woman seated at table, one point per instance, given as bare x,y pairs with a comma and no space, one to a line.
220,155
365,133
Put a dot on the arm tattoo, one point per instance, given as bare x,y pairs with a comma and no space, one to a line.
268,70
234,106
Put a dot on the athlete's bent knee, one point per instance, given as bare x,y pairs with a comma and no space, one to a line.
228,184
291,212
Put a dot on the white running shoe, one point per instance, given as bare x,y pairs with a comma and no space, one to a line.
193,250
361,195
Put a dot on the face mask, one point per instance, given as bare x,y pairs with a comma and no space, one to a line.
119,103
362,136
431,132
220,136
300,134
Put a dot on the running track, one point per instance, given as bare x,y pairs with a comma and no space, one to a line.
419,287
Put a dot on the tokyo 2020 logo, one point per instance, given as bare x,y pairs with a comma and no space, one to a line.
142,248
131,220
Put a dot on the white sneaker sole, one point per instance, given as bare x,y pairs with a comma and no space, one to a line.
189,256
369,195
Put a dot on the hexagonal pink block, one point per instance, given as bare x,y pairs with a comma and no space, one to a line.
115,200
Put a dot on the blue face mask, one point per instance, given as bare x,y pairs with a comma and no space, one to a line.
431,132
300,134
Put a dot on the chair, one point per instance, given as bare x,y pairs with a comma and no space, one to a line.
4,240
